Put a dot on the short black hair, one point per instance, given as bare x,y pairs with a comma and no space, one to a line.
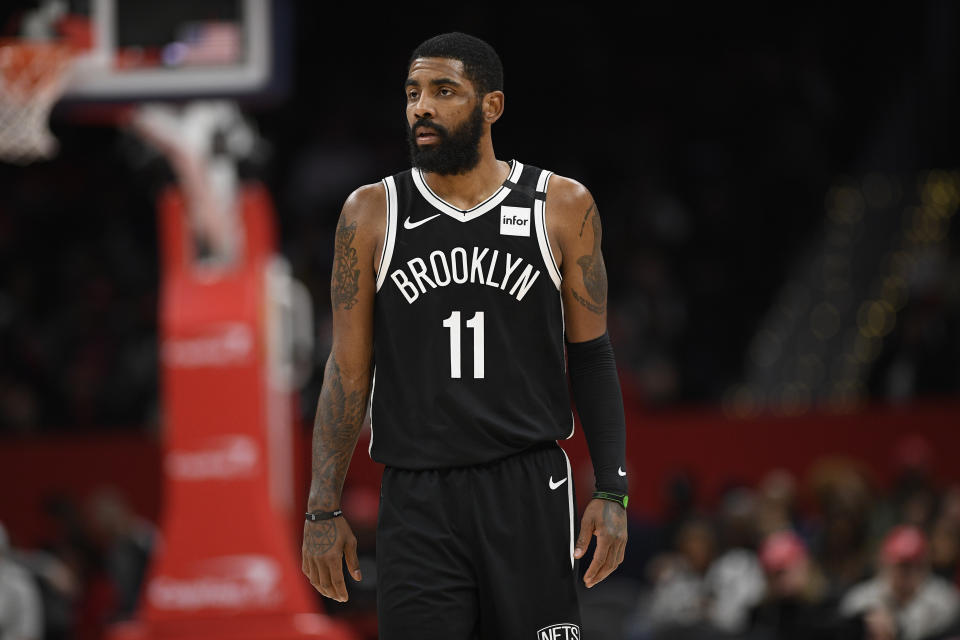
480,62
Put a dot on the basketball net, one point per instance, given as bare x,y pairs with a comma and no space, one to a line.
33,76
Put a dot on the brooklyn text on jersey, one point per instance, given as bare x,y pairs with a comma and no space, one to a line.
460,267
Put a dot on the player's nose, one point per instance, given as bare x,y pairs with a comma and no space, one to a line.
423,108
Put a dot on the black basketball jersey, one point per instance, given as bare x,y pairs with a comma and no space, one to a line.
468,327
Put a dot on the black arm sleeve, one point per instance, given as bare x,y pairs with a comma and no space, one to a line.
596,394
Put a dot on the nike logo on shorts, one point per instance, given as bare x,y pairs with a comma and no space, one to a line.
413,225
621,472
554,485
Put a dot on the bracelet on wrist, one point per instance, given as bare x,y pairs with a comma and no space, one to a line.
619,498
314,516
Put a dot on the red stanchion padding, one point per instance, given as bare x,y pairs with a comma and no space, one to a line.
229,563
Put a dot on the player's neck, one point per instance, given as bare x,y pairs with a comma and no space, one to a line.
466,190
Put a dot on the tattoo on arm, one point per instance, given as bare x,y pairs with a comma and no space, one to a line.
597,309
346,274
614,515
340,414
590,209
319,537
594,271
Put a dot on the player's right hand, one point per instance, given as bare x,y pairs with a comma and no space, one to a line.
326,544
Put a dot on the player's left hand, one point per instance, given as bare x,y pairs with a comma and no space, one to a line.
608,521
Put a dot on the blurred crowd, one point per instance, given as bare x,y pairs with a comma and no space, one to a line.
710,187
86,575
78,334
78,293
828,558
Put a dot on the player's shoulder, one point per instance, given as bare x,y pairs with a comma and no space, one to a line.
363,220
365,204
567,199
364,213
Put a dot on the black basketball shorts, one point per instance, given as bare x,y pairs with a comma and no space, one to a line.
479,552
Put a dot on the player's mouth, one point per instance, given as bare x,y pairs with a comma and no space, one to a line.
426,135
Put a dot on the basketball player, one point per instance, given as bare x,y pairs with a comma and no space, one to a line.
455,285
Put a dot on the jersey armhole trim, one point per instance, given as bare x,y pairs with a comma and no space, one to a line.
373,387
539,216
390,233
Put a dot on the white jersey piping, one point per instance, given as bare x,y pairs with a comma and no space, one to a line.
373,386
540,221
390,233
465,215
569,500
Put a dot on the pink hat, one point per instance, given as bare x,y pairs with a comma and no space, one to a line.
782,550
905,543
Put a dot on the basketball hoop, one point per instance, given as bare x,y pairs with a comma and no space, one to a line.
32,77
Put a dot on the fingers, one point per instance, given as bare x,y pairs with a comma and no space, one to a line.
324,551
607,522
319,577
335,571
310,571
606,559
591,577
583,540
350,556
325,581
614,558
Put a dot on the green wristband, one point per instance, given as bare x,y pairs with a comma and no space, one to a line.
619,498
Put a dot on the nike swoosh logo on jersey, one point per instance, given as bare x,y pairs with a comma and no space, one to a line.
554,485
621,471
413,225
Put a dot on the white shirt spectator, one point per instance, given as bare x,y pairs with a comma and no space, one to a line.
934,607
735,582
21,614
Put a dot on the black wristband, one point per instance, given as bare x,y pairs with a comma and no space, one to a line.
314,516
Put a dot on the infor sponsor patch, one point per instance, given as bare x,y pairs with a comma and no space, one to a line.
515,221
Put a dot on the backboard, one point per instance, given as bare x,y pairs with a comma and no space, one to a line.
96,59
180,49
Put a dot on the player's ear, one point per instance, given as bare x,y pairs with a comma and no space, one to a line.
492,106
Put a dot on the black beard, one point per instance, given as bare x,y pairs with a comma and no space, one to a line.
455,152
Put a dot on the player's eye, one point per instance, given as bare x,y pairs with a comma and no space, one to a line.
411,95
444,91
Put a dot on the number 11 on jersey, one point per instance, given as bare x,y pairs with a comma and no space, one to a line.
475,323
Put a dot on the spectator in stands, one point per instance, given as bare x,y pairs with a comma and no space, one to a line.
945,537
697,592
845,501
126,541
21,614
905,600
678,604
796,605
777,496
735,580
59,588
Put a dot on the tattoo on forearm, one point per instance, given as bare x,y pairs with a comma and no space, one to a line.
590,210
594,271
597,309
319,537
340,413
614,516
346,275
